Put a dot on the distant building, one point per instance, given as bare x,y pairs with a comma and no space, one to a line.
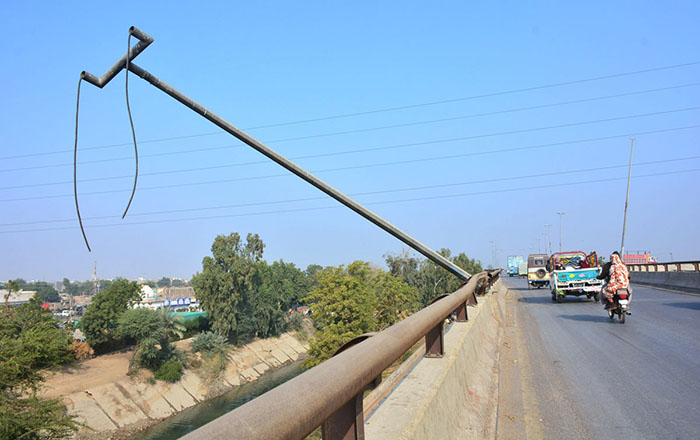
638,257
17,298
177,298
147,293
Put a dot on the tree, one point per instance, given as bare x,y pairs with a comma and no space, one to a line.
311,271
147,328
99,322
45,291
174,327
349,302
71,289
430,279
228,279
164,282
282,286
12,286
30,342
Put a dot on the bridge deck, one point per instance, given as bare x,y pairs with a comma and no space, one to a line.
581,375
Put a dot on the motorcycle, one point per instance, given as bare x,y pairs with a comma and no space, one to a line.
622,303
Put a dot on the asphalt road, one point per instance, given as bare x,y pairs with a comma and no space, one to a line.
584,376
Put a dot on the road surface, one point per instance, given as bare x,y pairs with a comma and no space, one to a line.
568,371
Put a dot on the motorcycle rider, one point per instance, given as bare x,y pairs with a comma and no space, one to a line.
619,279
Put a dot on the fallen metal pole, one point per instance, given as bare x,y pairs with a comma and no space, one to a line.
268,152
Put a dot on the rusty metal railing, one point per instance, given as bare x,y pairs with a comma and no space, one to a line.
330,394
675,266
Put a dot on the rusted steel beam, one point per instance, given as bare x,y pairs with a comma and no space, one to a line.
294,409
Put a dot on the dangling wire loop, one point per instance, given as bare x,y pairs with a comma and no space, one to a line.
75,165
133,131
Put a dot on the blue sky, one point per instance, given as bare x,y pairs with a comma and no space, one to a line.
464,171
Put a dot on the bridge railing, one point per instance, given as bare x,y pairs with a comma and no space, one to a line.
675,266
330,394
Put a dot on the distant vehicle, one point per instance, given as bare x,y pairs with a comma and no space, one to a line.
522,269
65,312
513,262
574,273
537,273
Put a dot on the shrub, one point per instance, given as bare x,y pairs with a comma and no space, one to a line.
296,322
82,350
209,342
194,326
148,355
170,371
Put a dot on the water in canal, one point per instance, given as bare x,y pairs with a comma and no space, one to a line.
192,418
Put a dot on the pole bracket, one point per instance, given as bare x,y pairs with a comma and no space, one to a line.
144,41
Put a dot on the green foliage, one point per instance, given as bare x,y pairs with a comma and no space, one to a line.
430,279
174,327
164,282
148,355
30,342
226,283
138,324
99,322
31,417
170,371
151,330
296,322
12,286
197,325
45,291
209,342
349,302
282,287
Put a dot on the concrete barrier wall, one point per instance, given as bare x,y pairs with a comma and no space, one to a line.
454,397
685,281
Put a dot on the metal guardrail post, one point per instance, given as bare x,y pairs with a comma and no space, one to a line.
347,423
435,341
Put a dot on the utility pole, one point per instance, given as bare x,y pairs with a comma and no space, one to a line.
94,277
145,40
560,214
549,237
627,199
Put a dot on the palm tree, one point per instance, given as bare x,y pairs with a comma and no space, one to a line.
174,327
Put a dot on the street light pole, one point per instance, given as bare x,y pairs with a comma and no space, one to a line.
560,214
627,199
549,237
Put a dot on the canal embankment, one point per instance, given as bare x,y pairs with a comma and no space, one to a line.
113,405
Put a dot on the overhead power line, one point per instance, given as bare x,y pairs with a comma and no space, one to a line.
384,127
415,199
479,136
381,110
405,189
269,176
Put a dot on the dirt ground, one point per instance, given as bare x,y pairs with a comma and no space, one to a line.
94,372
88,374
